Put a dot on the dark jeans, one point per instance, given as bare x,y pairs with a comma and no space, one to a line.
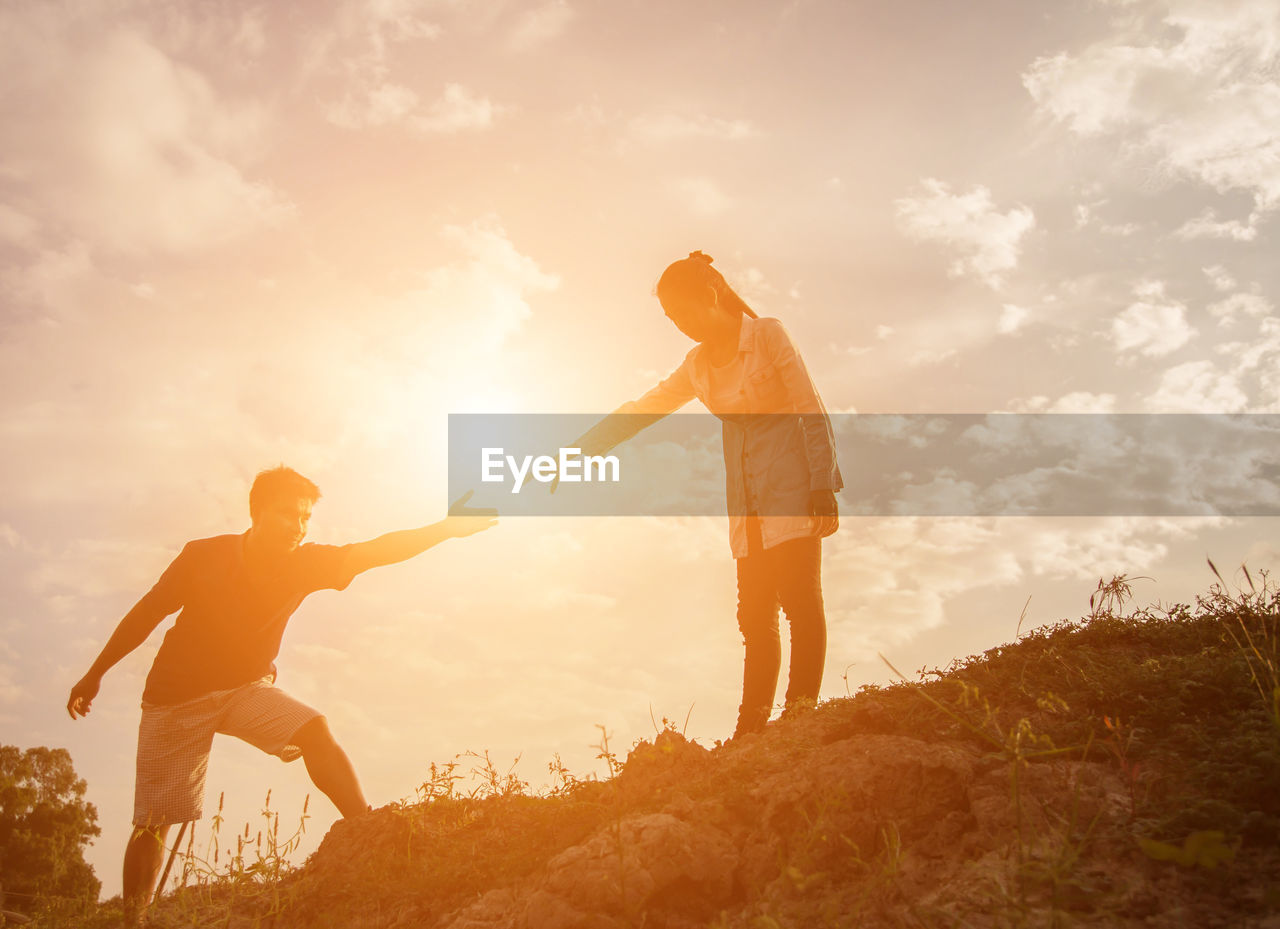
788,575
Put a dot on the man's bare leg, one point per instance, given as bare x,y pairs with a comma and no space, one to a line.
330,768
143,857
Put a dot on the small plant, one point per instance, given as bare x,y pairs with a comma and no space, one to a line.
668,725
1160,702
608,757
563,782
1258,608
250,879
1117,743
1205,849
491,783
440,782
1109,597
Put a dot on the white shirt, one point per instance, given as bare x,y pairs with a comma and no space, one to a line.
777,449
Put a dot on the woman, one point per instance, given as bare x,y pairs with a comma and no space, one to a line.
780,472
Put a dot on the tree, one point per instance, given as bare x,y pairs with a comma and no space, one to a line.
45,825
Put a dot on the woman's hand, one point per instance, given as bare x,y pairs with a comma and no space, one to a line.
464,520
822,507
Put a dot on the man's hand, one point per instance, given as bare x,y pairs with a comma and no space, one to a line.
82,694
466,520
822,507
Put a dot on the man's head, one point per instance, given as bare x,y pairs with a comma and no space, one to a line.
280,503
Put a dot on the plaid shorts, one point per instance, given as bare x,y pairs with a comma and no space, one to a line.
174,743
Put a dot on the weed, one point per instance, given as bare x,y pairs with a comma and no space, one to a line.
1109,597
1164,701
490,782
614,767
1118,742
604,754
1204,849
1258,608
669,725
440,782
212,886
563,782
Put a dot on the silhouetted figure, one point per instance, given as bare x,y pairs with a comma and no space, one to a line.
215,670
780,471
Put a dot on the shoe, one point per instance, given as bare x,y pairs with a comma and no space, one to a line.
751,720
798,707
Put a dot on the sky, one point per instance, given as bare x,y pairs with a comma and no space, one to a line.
240,234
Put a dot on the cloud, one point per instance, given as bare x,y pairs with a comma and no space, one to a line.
910,571
1240,304
450,327
251,34
1220,277
374,97
970,224
377,106
391,21
659,128
1086,215
11,693
1208,226
541,24
1122,544
1012,318
930,356
17,228
1154,325
1197,387
495,272
456,110
905,570
349,387
10,536
47,278
86,569
1088,462
120,146
1199,95
1082,401
1092,92
702,195
1258,362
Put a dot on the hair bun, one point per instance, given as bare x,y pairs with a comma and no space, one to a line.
700,256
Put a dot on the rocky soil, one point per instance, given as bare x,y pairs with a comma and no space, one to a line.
1119,771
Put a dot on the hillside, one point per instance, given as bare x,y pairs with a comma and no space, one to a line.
1118,770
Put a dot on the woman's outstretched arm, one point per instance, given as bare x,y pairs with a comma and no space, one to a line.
673,392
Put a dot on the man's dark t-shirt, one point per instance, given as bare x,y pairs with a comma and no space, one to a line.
230,628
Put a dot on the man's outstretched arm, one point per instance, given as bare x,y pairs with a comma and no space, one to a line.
133,630
398,546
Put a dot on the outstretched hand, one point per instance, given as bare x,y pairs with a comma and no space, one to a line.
82,694
466,520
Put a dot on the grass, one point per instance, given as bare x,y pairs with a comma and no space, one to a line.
1130,759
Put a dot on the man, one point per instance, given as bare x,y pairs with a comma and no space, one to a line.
215,669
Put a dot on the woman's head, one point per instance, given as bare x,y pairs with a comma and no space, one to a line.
696,296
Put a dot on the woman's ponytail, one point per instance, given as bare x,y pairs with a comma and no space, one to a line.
690,274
